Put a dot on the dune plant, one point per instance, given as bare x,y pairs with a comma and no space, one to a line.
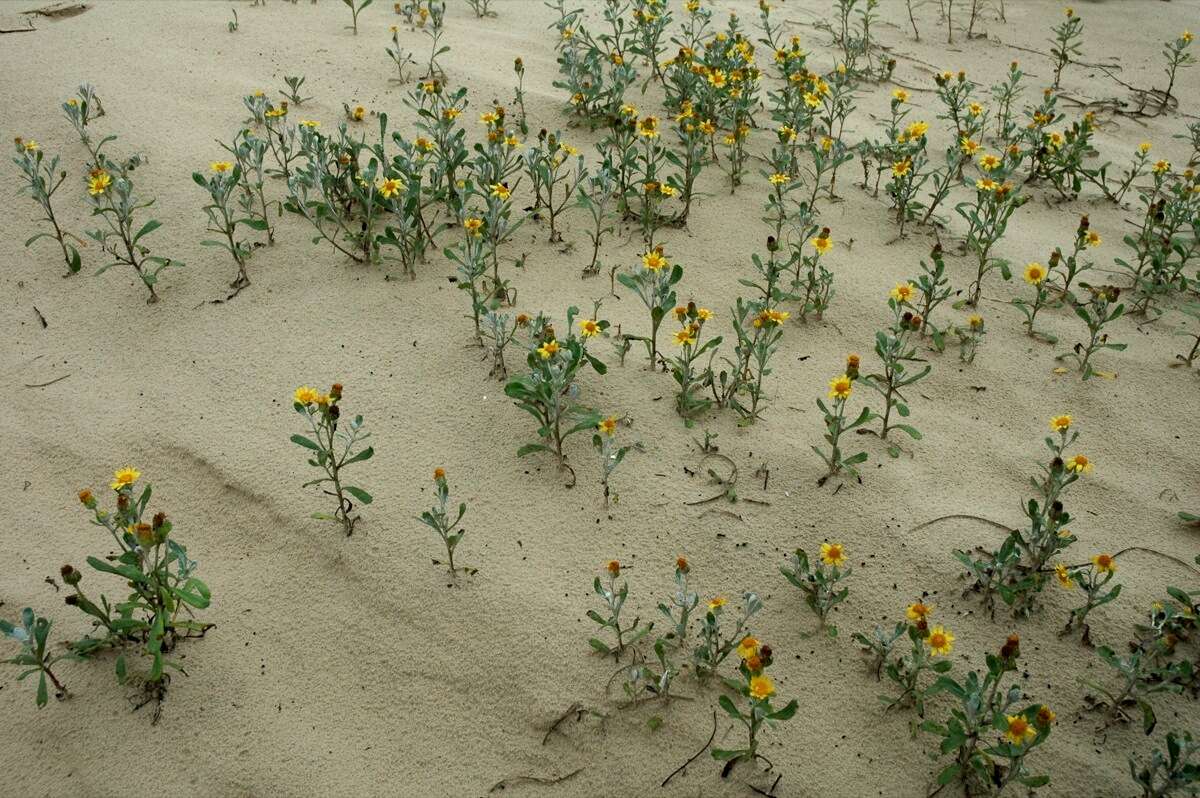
81,110
594,196
1139,676
614,599
985,765
905,670
692,374
819,581
35,656
295,84
932,289
519,95
356,8
715,644
1092,578
1038,277
558,170
987,219
970,335
401,57
249,153
1099,311
334,446
222,218
756,690
684,602
1016,571
759,329
611,454
41,179
837,424
1177,772
165,593
895,354
1067,43
111,192
548,391
439,518
654,281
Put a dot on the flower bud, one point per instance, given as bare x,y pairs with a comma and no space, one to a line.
71,576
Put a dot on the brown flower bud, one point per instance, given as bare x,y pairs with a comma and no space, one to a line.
614,568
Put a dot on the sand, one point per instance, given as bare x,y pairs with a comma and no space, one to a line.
358,667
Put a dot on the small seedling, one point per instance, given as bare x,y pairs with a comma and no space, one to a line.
438,518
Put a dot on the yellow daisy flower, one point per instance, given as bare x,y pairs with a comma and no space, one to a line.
940,641
124,476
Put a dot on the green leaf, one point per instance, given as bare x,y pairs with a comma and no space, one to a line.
358,493
365,454
148,228
530,448
305,442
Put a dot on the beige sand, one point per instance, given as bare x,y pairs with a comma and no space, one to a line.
348,667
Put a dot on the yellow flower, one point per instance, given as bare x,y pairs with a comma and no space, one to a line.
390,187
778,179
686,336
812,100
989,162
1061,423
125,476
1045,716
703,314
358,113
903,292
975,321
986,184
439,474
833,554
99,182
1035,273
309,123
916,130
900,95
31,146
1055,139
220,167
840,387
975,109
717,79
748,647
822,244
1079,464
716,603
1063,574
654,260
473,225
1019,730
665,190
608,426
1186,36
918,611
1105,563
761,687
647,127
940,641
901,168
500,190
488,117
969,146
1162,166
305,395
548,350
588,327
